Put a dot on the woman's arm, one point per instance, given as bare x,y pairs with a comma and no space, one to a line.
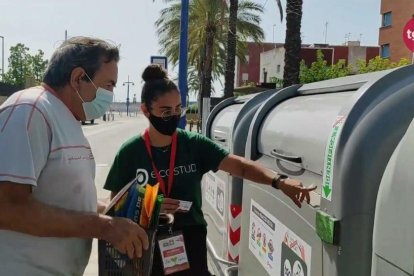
253,171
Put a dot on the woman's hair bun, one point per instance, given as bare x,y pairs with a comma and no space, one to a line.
154,72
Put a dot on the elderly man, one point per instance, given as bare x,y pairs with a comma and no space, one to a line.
48,204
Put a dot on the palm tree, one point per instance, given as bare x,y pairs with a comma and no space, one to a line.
231,50
279,5
231,46
208,26
293,41
214,21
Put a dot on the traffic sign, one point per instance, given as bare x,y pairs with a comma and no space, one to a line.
408,35
160,60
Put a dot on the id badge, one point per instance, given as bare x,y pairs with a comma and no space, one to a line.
173,253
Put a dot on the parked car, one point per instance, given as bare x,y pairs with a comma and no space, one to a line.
91,121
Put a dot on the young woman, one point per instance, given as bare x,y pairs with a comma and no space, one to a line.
162,149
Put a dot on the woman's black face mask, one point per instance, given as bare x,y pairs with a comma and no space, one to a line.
165,125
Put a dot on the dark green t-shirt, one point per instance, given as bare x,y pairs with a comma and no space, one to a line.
196,155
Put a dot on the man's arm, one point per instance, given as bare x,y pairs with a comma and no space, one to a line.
253,171
23,213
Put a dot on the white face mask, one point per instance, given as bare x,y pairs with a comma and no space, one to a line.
98,106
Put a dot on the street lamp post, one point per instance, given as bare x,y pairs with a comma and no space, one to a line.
127,103
2,57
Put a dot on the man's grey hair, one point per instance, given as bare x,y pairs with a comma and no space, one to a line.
85,52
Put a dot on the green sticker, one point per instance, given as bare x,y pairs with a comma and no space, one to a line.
330,158
327,228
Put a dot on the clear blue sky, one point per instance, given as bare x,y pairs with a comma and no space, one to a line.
41,24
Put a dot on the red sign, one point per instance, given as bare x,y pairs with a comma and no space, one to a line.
408,35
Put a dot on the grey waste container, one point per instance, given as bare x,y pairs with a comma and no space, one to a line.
227,125
393,240
336,134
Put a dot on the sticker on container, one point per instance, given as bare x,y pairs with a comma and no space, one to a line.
277,248
214,193
330,151
173,254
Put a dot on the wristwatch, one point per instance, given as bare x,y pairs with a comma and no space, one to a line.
275,181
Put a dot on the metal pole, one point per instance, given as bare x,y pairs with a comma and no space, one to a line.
2,58
182,80
127,100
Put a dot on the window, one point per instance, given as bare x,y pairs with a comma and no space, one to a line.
278,68
247,59
386,19
245,77
385,50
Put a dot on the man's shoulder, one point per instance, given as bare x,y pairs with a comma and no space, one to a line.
35,105
21,105
31,98
26,96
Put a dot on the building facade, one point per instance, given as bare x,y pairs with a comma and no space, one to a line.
249,71
267,60
395,14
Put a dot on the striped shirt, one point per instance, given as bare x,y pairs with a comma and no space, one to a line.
42,145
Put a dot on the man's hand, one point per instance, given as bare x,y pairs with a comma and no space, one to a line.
170,206
126,236
293,188
102,204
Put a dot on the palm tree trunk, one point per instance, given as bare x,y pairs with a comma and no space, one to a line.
200,70
293,42
199,97
208,62
231,50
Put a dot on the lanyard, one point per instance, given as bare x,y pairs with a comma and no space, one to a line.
172,163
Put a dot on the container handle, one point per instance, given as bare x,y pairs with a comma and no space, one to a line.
219,139
290,158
